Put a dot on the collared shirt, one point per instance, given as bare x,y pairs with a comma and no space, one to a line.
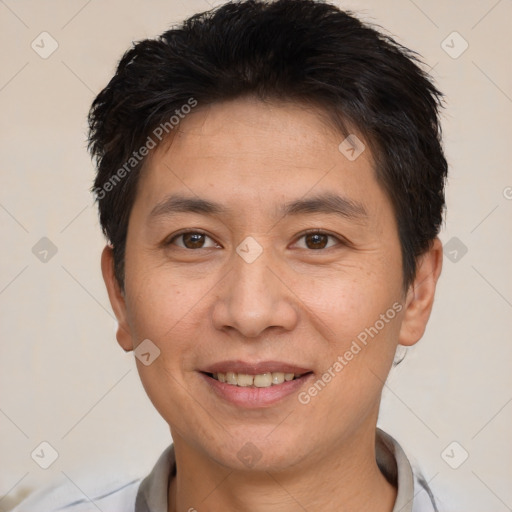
150,494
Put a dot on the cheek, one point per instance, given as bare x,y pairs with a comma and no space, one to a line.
345,304
359,318
172,310
158,301
362,331
168,313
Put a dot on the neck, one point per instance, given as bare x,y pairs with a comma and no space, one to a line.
342,481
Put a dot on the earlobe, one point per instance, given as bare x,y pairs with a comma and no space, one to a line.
420,296
116,297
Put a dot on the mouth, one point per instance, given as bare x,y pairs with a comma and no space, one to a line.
255,385
260,380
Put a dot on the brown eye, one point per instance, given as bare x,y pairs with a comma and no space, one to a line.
316,240
192,240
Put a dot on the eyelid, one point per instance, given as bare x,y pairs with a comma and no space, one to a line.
340,239
169,240
319,231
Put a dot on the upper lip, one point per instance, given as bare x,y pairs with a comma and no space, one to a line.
249,368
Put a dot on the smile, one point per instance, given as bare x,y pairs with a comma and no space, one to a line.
262,380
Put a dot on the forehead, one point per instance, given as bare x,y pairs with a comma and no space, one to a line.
247,152
284,131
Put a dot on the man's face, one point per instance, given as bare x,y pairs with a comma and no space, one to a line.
246,285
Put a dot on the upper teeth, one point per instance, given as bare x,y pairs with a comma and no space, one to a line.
263,380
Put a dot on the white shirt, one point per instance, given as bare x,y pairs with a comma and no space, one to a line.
150,494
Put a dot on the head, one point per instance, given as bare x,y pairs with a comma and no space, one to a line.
271,184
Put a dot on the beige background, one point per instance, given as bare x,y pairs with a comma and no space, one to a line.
63,378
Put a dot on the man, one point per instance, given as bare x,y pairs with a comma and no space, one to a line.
271,184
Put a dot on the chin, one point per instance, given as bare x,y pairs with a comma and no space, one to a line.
246,452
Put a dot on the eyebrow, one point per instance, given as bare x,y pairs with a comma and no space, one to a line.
326,203
180,204
323,203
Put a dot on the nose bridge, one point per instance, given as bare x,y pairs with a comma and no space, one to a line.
253,299
251,283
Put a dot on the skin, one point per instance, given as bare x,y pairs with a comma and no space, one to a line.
294,303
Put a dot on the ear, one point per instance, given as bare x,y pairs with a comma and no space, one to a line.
116,297
420,295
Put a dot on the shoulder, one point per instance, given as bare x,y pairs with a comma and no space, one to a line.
424,499
66,496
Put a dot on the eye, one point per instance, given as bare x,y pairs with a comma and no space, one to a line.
316,240
192,240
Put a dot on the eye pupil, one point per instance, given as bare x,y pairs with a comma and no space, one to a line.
193,240
318,240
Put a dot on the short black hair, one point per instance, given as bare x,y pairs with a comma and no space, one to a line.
304,51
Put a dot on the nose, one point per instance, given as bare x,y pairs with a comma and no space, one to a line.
252,298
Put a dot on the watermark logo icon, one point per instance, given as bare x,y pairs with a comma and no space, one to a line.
44,45
454,45
249,249
216,3
44,250
249,454
44,455
146,352
454,455
352,147
454,249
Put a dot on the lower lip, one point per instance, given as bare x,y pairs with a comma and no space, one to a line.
253,397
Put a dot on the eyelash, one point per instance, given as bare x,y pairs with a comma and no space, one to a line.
316,231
